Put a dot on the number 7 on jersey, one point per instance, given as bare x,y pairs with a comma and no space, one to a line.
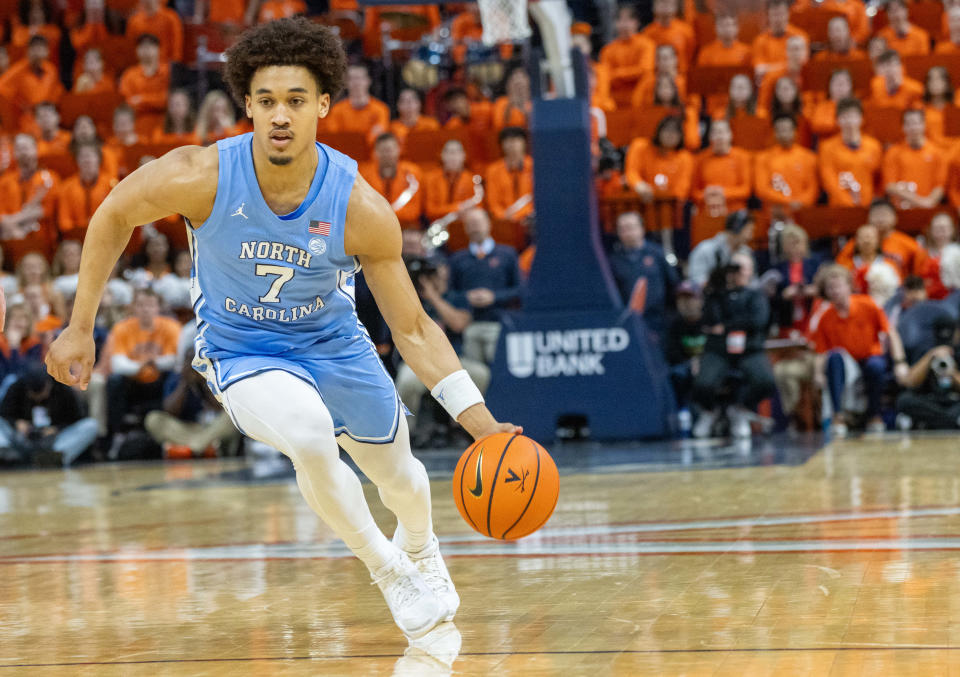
283,274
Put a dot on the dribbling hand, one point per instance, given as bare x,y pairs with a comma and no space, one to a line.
70,358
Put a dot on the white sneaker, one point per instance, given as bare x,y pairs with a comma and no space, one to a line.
739,422
415,607
838,431
429,562
876,428
704,425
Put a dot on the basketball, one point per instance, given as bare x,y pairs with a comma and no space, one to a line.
506,486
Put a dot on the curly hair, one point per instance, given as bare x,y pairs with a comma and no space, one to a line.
286,42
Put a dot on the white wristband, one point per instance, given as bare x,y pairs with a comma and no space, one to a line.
457,392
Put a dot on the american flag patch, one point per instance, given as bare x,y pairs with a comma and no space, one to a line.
319,228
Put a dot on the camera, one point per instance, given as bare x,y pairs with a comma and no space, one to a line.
943,368
419,267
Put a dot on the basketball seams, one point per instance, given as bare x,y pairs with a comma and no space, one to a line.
462,502
493,484
533,492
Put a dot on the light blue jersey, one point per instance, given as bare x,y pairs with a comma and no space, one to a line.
277,292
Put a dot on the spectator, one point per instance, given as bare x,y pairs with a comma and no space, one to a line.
156,264
85,133
910,294
179,122
20,348
951,43
937,96
66,268
848,337
788,100
786,174
396,179
52,140
409,118
900,34
277,9
849,162
634,258
665,67
92,79
890,88
941,237
667,29
28,197
174,286
770,47
726,49
915,171
141,351
740,101
144,86
932,396
798,53
124,136
666,95
899,247
486,278
32,79
82,193
823,116
41,422
359,112
685,341
663,169
716,252
867,256
452,312
158,21
513,108
509,181
466,114
91,28
735,320
35,19
217,118
840,43
795,290
628,56
190,417
723,176
450,188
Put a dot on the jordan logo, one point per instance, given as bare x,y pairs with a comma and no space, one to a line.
478,490
239,211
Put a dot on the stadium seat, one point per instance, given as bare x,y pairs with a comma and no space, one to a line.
353,144
60,163
813,21
750,132
623,126
710,80
884,124
423,147
100,107
816,75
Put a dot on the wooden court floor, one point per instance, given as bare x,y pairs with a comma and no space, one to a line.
846,565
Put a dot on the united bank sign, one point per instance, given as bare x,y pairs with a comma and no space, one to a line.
571,352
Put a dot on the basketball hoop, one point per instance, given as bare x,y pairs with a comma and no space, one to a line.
504,21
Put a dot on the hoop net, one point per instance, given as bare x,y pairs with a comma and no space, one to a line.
504,21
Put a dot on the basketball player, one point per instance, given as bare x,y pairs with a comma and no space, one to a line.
278,225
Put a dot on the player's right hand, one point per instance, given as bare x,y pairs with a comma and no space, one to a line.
70,358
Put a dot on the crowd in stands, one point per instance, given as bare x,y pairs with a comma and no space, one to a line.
718,131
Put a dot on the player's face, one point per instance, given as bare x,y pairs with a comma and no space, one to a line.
284,104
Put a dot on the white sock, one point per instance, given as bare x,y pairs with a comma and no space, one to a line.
371,547
412,541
